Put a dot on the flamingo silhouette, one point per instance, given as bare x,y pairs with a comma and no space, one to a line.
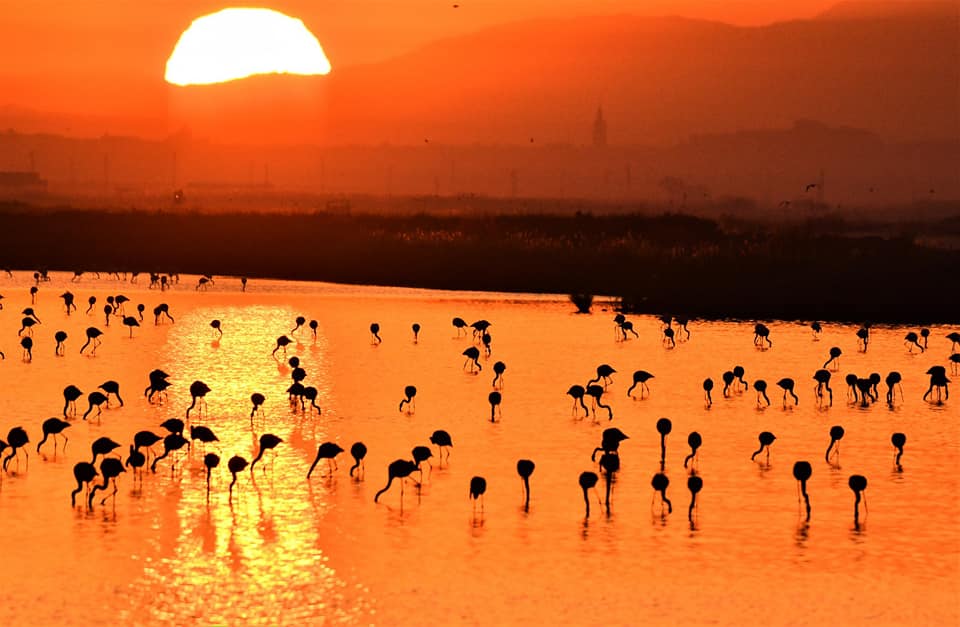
358,451
660,482
682,326
204,434
485,340
610,442
416,332
761,334
478,487
694,484
473,355
898,440
578,392
422,454
59,337
588,481
787,385
107,312
954,363
282,342
912,339
739,372
112,387
760,387
136,460
90,303
480,327
398,469
171,443
84,473
218,327
329,452
596,393
68,301
173,425
664,427
863,337
460,325
27,344
268,442
668,338
495,399
955,339
298,324
95,399
310,393
727,378
163,309
130,322
938,381
198,392
110,468
893,379
211,461
442,440
610,464
53,426
314,325
27,325
836,434
640,377
835,353
158,384
707,389
801,472
766,439
603,373
695,441
257,399
822,377
102,447
817,330
70,395
93,336
410,393
627,327
525,469
498,369
235,465
858,483
140,309
375,332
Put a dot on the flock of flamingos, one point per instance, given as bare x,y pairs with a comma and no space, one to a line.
178,434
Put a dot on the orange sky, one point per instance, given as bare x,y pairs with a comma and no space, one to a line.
70,56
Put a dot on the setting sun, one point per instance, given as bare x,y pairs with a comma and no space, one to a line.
237,43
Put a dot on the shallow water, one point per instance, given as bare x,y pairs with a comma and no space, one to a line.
285,550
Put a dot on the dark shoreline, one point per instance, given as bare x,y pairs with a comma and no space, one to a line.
820,269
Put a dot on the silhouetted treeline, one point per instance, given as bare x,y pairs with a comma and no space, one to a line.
821,269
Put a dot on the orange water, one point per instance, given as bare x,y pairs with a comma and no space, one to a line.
286,550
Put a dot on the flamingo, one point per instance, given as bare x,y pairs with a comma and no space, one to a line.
836,434
912,339
603,373
822,377
136,460
314,325
416,332
668,338
358,451
218,327
695,441
173,442
130,322
766,439
893,379
525,469
694,484
498,369
817,330
102,447
787,385
640,377
282,342
760,387
473,355
268,442
955,339
16,439
257,399
898,440
211,461
163,309
801,472
53,426
112,387
198,392
460,325
761,334
863,337
610,442
93,336
59,337
422,454
596,392
858,483
660,482
727,378
738,372
204,434
588,481
173,425
707,389
495,399
938,380
835,353
578,392
329,452
664,427
27,344
90,303
84,473
235,465
398,469
478,487
410,393
95,399
610,463
375,332
68,301
110,468
298,324
442,440
70,395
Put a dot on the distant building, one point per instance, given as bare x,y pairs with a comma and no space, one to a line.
599,130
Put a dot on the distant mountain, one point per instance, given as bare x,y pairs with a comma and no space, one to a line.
658,79
860,10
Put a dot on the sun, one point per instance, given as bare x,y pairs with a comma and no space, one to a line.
237,43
